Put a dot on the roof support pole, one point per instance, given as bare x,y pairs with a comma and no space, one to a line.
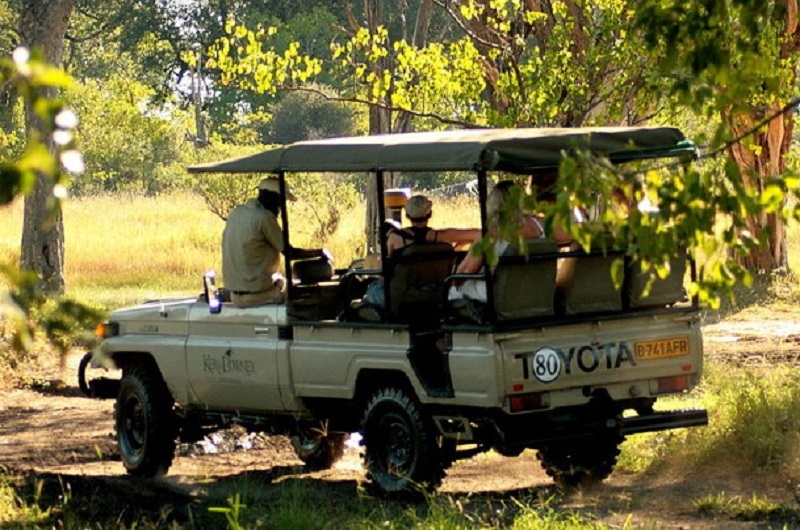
382,233
483,195
285,226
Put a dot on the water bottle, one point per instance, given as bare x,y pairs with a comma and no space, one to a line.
212,292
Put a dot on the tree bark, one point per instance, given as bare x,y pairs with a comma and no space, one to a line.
42,25
379,123
768,159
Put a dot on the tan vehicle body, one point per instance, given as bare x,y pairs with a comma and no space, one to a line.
236,362
422,392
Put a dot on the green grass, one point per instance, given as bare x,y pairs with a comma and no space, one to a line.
290,504
755,508
16,511
754,425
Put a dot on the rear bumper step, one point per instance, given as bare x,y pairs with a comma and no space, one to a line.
662,421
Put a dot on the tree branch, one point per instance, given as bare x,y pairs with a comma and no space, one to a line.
383,106
445,4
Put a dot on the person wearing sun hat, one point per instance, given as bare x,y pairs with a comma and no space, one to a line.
252,242
419,210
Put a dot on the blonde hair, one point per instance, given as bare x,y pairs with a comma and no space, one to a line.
499,208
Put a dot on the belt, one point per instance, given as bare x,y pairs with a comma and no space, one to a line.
240,293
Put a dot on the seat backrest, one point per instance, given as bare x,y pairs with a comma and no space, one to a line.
525,288
662,292
417,278
585,284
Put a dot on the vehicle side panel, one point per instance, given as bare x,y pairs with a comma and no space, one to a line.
232,358
476,369
325,361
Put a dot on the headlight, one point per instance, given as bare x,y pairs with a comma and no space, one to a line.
105,330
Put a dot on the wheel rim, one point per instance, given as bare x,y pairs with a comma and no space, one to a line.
307,444
395,443
134,426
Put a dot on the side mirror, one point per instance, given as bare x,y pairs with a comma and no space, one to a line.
212,292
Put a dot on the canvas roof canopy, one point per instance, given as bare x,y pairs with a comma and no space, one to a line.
512,150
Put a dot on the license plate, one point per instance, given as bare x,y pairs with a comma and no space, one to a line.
662,348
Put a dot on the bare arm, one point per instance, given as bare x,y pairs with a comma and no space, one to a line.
301,253
454,235
472,263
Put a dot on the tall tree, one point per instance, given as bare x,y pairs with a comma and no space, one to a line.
739,59
43,25
765,158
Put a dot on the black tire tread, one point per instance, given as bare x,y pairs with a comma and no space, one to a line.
581,464
159,446
83,384
429,471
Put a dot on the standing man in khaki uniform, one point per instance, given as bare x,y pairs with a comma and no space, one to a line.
251,246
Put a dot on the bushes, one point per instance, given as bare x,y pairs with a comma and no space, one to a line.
754,424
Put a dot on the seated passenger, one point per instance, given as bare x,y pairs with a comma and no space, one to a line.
560,235
505,222
418,211
251,245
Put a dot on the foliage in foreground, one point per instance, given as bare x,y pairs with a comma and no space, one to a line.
49,154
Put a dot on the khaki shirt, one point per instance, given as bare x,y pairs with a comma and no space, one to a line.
251,246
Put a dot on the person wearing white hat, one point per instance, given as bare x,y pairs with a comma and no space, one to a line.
252,242
419,209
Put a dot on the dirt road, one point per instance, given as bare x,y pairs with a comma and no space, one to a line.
50,432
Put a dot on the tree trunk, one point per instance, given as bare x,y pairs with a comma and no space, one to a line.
768,158
379,123
201,138
43,25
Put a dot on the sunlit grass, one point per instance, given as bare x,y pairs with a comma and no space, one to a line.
754,425
297,506
756,508
16,512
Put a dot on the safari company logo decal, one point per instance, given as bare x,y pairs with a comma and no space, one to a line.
226,364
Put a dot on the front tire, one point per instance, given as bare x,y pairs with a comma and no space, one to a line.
401,453
83,383
145,422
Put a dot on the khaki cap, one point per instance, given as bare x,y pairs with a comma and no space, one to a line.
273,184
418,207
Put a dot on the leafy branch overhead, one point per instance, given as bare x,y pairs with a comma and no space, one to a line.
28,75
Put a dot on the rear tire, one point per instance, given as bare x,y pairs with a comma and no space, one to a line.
317,449
581,463
145,422
401,454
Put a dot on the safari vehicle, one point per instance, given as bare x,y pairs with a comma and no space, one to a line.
561,359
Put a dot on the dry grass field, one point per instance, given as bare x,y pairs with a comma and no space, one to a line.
124,249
